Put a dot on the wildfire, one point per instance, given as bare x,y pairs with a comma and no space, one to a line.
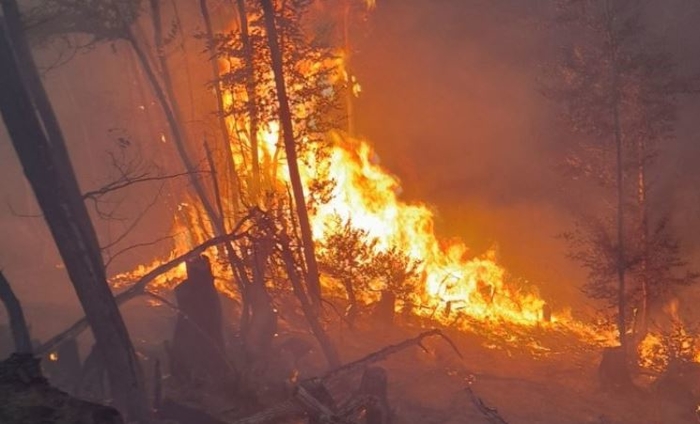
453,283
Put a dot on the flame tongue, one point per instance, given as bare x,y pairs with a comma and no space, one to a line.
368,195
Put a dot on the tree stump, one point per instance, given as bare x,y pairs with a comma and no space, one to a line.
384,309
27,397
198,344
613,371
676,390
93,376
546,313
374,384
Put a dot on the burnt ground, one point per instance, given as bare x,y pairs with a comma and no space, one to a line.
552,381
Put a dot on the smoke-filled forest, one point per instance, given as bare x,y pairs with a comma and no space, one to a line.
349,211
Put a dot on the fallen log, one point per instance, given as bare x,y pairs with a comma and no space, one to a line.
371,396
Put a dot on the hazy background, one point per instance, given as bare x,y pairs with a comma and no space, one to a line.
450,101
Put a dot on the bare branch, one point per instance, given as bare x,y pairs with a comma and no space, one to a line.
491,414
389,350
136,246
126,181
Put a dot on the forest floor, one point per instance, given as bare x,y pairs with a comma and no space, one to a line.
540,376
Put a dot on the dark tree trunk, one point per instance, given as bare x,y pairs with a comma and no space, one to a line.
316,328
263,318
374,384
285,116
613,371
49,172
198,344
221,115
384,312
18,326
252,96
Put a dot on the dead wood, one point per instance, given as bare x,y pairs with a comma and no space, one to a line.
198,343
491,414
371,396
613,371
304,402
219,349
387,351
18,325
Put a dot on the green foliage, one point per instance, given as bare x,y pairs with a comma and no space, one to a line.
396,272
346,253
351,255
310,77
613,78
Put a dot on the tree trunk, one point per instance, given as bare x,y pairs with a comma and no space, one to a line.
18,326
621,266
285,116
52,179
171,110
349,101
374,383
225,138
316,328
644,238
351,312
250,86
198,343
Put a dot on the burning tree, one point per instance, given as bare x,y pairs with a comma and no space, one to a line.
619,91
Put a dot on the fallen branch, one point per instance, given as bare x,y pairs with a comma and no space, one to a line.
139,287
305,401
20,332
389,350
491,414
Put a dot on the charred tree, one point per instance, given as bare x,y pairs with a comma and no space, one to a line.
40,147
290,148
198,343
221,115
252,101
18,326
374,384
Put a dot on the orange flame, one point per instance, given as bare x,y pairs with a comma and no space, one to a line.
453,281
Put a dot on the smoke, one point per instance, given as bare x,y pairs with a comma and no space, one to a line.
450,100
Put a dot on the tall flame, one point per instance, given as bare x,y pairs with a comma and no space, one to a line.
453,282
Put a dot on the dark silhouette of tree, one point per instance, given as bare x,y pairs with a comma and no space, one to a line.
619,91
38,141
